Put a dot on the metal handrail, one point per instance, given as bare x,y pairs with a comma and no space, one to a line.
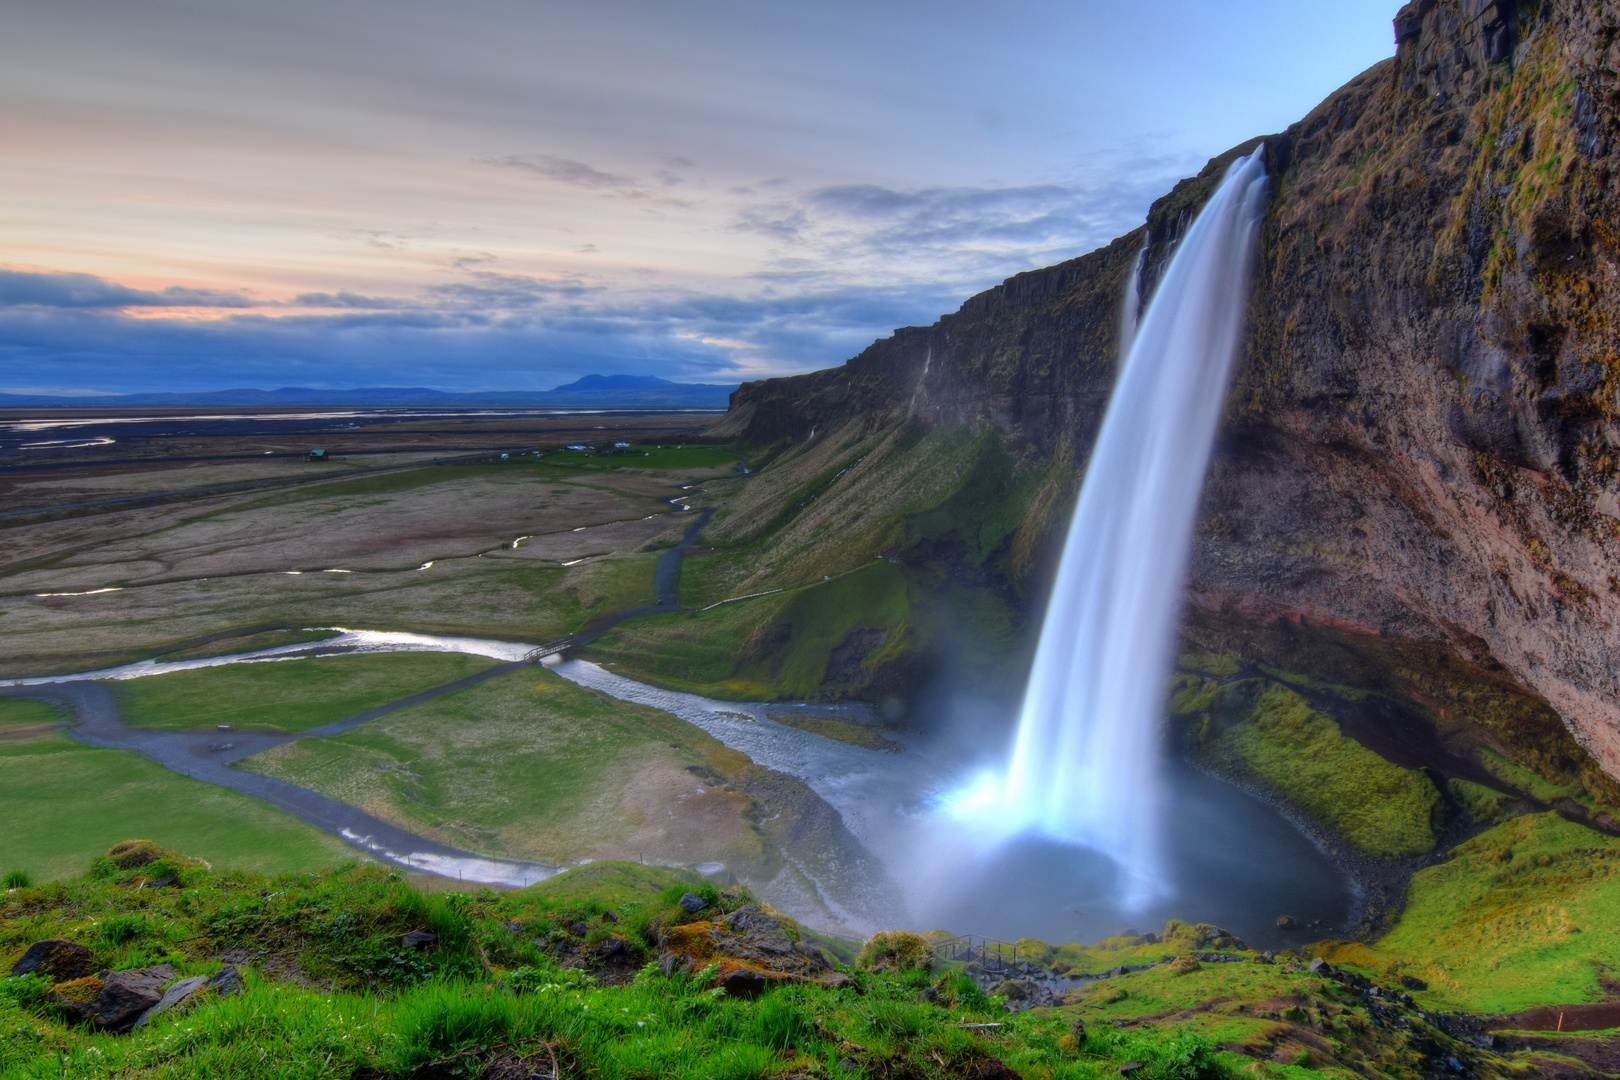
973,947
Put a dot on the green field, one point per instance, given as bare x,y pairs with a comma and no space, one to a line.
18,715
64,803
286,695
530,765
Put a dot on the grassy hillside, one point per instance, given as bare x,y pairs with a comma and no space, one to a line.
563,979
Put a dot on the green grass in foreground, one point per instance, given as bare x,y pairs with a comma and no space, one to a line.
19,714
488,1000
1525,915
286,695
61,803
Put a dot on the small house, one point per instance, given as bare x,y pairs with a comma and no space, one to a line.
318,454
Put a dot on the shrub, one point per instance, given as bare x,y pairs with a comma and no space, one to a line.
17,879
896,950
122,929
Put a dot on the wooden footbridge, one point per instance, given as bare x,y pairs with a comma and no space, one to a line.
555,648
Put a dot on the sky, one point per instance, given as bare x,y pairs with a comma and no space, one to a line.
509,194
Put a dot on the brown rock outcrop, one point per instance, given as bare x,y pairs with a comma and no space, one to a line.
750,949
1420,465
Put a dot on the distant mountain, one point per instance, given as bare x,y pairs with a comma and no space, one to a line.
596,390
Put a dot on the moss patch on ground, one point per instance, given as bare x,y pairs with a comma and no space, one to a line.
1266,733
1524,915
63,803
286,695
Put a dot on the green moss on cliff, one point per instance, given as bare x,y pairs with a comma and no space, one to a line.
1268,735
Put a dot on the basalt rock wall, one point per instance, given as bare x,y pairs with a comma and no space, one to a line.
1422,444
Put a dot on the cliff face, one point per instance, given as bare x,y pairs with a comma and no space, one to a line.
1422,449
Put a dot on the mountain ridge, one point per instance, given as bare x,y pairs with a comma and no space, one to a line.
630,390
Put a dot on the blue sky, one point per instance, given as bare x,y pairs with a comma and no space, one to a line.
508,194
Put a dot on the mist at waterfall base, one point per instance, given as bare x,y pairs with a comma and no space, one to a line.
1081,811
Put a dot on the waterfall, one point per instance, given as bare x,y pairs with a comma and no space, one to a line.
1085,762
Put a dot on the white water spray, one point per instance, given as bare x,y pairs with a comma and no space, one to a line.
1085,762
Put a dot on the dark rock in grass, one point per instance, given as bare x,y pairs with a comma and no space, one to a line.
1320,967
61,960
611,947
174,995
993,1069
579,929
1411,982
1129,1067
1077,1027
743,983
609,917
126,995
77,997
692,903
226,981
419,939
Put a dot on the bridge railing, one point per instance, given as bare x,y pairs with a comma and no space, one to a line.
989,953
561,645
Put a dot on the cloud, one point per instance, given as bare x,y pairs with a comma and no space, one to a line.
575,173
24,288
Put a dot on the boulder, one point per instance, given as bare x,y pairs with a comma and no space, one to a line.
77,997
126,995
750,940
1183,965
897,950
692,903
993,1069
61,960
226,981
419,939
1287,922
174,995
